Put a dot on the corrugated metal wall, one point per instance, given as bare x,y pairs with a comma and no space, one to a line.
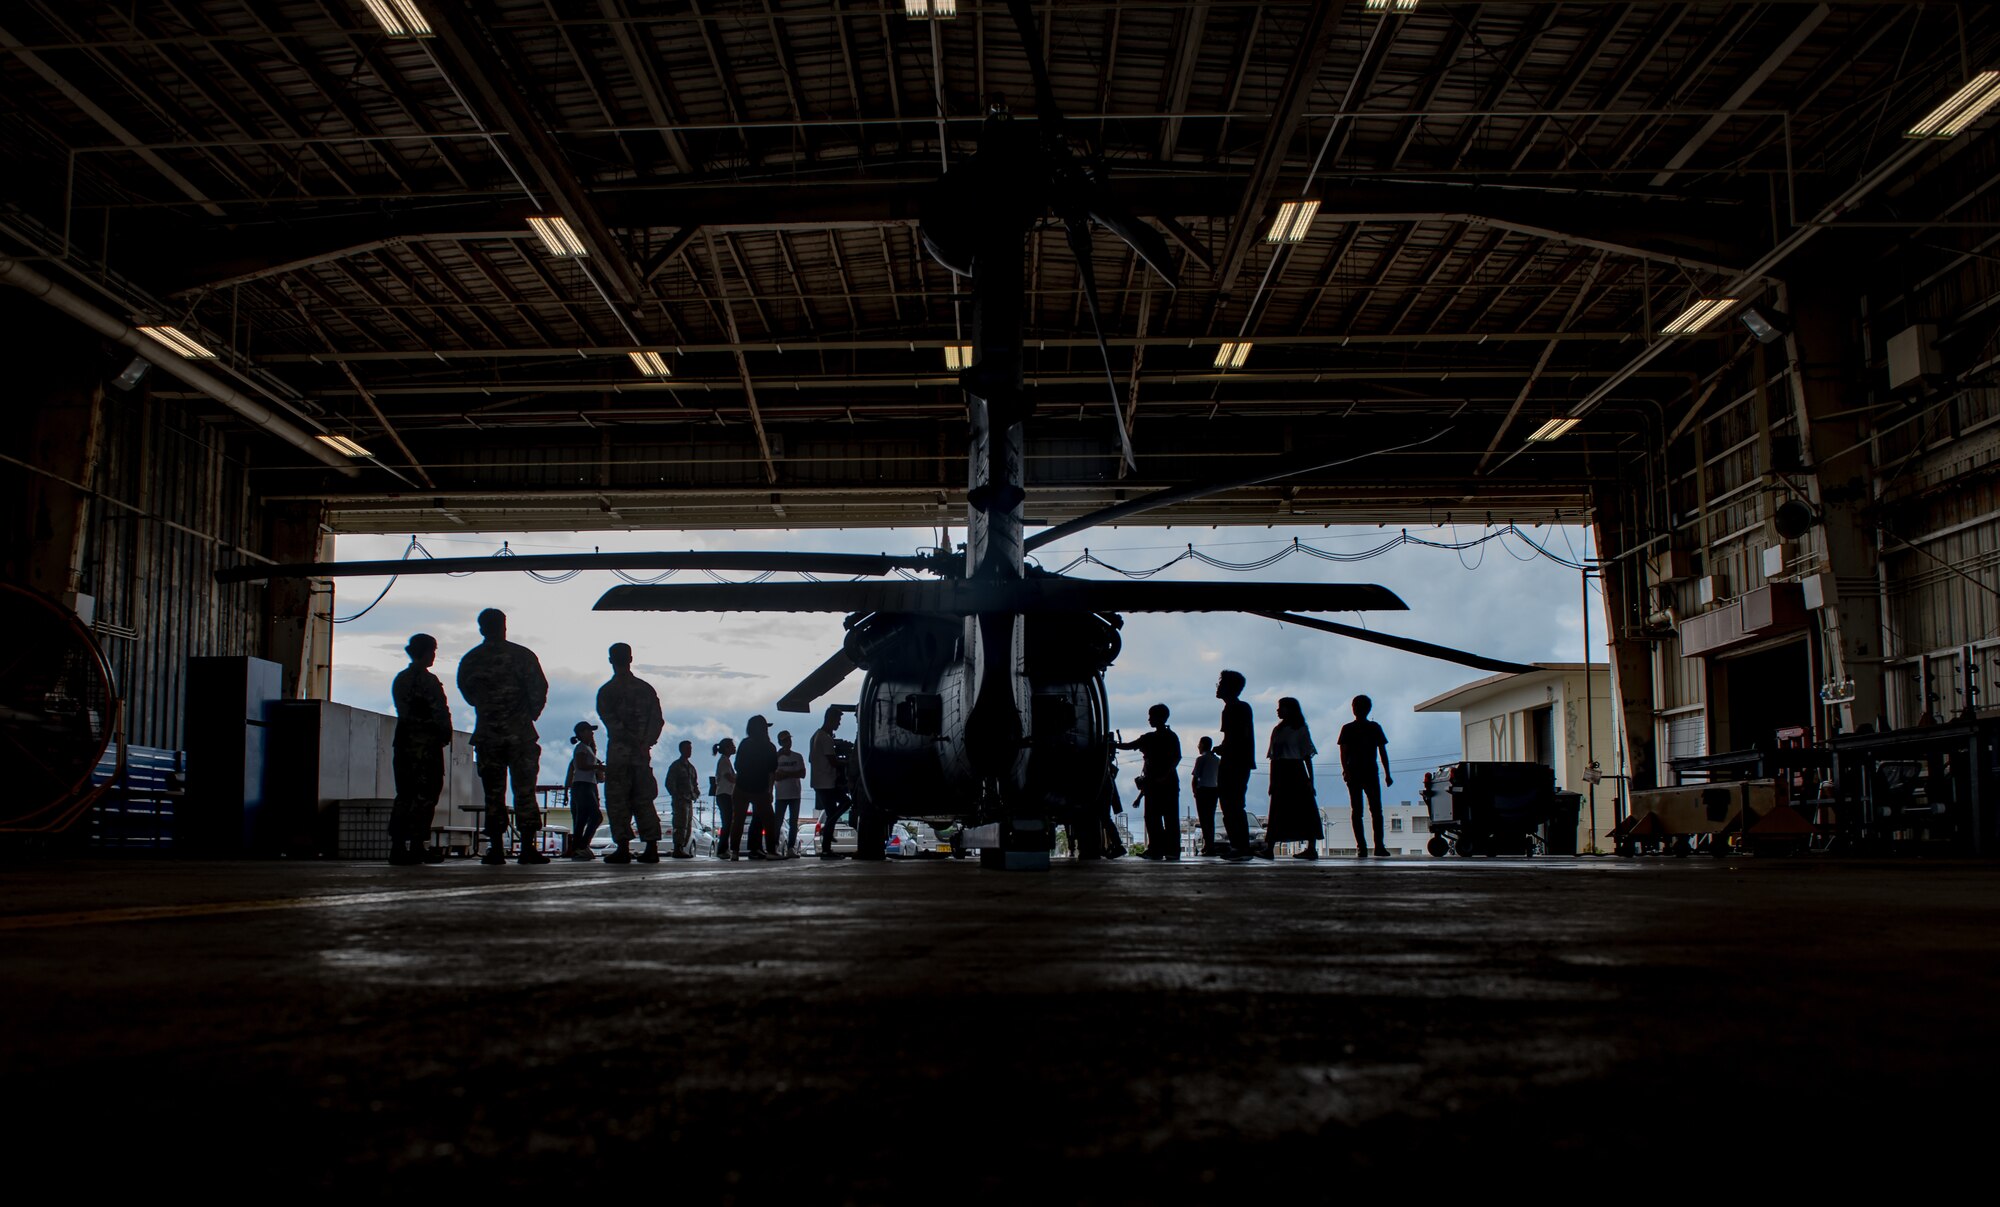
173,505
1938,459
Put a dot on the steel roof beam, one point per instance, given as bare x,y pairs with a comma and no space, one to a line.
499,93
1315,42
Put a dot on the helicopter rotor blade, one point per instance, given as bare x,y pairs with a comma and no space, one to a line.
751,560
1168,496
1408,645
1077,231
1023,12
823,679
1150,245
1035,595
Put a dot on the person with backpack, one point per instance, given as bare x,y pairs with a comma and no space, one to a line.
683,788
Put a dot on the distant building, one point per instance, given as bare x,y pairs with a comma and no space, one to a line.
1561,715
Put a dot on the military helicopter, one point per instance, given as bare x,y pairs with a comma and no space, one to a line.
983,699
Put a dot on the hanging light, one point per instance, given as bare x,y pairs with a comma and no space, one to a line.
930,10
1292,220
1700,313
1960,109
1554,429
342,444
1232,355
957,356
652,364
399,18
556,236
176,339
1391,6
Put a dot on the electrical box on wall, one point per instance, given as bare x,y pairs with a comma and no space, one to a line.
1710,589
1775,557
1913,355
1671,566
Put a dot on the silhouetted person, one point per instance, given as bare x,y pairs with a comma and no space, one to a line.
1294,815
1160,751
1205,782
683,786
727,811
1239,758
756,761
423,731
788,785
504,683
631,711
1360,741
828,798
586,771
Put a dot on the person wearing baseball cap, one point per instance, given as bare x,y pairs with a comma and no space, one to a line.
423,730
585,772
756,763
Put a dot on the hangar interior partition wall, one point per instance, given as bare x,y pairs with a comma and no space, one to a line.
1516,201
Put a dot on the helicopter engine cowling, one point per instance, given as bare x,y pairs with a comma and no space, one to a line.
912,716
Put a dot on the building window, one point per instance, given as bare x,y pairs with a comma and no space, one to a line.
1418,825
1396,825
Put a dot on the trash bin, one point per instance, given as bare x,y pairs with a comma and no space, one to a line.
1559,831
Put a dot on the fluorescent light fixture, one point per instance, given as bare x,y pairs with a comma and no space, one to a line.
1232,355
958,356
1294,217
399,18
556,236
652,364
1960,109
173,338
1554,429
1700,313
938,10
1391,6
342,444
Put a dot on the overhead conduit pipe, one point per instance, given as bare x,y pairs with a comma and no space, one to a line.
22,277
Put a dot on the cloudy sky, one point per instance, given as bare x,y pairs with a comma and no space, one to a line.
714,671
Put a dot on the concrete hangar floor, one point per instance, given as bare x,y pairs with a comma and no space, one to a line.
1097,1033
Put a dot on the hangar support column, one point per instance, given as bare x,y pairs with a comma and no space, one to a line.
61,398
298,616
1623,579
1828,367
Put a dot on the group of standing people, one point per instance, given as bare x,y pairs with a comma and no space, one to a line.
504,683
507,690
1221,779
759,789
757,786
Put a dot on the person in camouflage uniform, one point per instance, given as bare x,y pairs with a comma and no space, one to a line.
630,709
504,684
683,787
423,731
